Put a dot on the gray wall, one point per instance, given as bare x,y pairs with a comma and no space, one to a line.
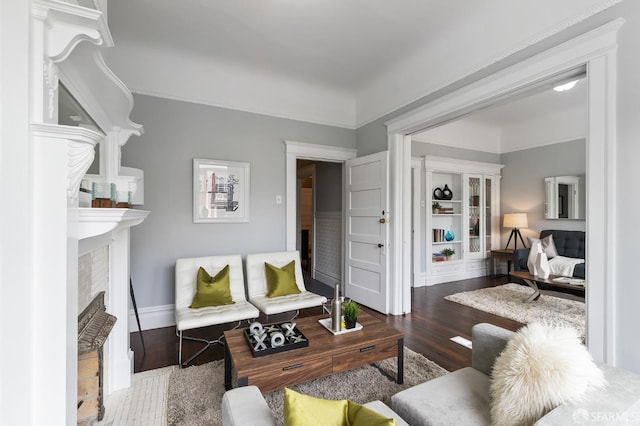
176,133
522,186
328,187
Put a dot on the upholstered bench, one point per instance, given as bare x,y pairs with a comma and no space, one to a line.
246,406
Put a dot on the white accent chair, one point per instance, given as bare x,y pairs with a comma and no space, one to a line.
188,319
257,284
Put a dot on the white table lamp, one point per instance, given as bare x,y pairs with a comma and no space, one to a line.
515,221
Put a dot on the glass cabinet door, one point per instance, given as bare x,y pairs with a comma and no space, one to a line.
475,217
488,231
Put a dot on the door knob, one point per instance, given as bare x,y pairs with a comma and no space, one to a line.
380,245
382,220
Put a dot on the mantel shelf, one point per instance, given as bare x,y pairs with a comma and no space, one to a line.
94,222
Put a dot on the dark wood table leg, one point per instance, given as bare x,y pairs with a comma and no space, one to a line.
227,368
493,265
400,374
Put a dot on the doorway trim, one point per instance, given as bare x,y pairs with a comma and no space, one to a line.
418,204
306,151
595,51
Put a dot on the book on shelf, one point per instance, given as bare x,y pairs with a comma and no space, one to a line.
445,210
437,257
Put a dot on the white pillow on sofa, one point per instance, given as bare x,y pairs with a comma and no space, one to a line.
540,368
548,245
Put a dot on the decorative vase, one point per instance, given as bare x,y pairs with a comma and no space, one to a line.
532,260
447,194
336,310
449,236
350,322
476,228
437,194
542,265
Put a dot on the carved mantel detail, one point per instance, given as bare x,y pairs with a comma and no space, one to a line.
81,144
50,73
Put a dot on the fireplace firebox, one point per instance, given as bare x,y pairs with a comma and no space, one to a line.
94,326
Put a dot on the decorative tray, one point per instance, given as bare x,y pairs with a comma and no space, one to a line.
274,338
326,323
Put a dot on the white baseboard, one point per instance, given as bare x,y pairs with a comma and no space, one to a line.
464,275
420,279
153,317
327,279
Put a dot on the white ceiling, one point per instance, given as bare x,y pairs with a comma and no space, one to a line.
528,120
532,107
339,62
340,44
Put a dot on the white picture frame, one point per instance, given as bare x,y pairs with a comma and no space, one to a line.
221,191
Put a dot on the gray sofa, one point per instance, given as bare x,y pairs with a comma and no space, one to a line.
462,397
568,244
245,406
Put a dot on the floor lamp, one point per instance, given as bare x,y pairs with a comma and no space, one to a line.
515,221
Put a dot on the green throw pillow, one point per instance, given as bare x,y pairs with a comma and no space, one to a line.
212,291
281,281
304,410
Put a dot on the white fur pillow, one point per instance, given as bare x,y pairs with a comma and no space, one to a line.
540,368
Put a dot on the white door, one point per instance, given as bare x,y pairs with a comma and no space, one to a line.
367,182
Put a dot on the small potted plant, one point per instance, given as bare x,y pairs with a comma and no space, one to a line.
350,311
448,252
435,207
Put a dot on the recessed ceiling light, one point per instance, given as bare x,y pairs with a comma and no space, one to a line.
566,86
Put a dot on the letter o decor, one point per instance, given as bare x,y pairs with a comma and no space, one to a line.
277,339
256,328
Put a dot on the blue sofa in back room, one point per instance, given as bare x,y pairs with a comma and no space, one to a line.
568,244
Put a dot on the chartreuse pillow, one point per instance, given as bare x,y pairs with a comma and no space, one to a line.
212,291
304,410
281,281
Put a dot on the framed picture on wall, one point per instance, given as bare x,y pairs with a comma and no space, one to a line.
220,191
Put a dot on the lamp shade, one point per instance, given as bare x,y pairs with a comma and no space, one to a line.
515,220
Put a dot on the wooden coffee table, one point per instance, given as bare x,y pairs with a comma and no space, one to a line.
326,354
532,281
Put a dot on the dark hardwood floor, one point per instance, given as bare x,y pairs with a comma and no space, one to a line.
427,329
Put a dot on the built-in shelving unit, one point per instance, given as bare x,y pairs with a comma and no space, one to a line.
467,223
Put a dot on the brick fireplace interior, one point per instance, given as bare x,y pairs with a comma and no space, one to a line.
94,326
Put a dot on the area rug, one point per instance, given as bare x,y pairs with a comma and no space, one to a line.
508,301
195,393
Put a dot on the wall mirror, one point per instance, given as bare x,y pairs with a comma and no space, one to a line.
564,197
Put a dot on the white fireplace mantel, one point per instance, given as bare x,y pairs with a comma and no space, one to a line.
66,42
97,227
